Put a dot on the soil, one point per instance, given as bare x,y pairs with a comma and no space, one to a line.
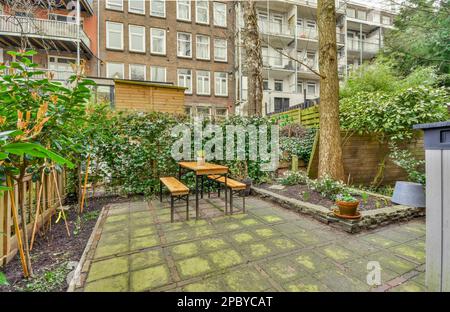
53,251
313,197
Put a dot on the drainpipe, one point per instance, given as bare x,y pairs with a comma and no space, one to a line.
78,34
360,45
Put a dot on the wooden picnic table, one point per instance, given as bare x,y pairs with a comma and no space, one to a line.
200,172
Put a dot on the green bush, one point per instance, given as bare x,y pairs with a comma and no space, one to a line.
299,146
406,160
294,178
327,187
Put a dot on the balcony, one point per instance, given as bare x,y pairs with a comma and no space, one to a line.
278,63
366,47
53,74
64,34
279,34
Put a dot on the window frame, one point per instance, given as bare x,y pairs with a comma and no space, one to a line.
178,44
134,64
207,12
143,38
187,91
116,63
155,15
198,76
216,74
108,40
308,83
165,73
197,47
226,50
214,14
113,7
130,10
189,18
278,81
164,41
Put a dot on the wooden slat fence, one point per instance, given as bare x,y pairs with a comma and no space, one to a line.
308,117
49,202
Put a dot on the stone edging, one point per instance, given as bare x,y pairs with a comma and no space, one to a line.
370,219
76,281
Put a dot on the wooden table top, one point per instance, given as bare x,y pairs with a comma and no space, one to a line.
207,168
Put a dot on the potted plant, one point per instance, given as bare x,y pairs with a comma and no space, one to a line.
347,204
201,158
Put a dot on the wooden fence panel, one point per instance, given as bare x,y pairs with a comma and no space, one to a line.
308,117
49,202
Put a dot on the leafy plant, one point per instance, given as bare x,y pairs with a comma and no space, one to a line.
294,178
364,197
327,187
3,280
406,160
49,280
346,197
299,146
306,196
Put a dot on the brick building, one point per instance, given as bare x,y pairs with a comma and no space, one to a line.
187,43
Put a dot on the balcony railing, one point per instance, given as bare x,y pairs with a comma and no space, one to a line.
42,27
273,28
356,45
53,74
278,62
307,33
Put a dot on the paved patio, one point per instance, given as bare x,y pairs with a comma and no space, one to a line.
136,248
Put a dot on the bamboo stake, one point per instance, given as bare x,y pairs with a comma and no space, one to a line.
83,195
60,203
17,230
38,208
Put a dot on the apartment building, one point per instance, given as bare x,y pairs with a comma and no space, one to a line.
288,31
187,43
59,34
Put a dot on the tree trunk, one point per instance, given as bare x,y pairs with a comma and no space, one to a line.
252,45
330,148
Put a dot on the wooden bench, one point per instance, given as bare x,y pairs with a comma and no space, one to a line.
233,185
177,190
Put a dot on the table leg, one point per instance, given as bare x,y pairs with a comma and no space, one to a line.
202,186
226,195
196,197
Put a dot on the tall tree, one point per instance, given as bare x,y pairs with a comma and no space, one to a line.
421,36
252,45
330,148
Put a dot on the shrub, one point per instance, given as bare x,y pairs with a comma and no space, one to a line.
294,178
299,146
327,187
406,160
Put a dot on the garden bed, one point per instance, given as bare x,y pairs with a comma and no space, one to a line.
321,208
53,257
305,193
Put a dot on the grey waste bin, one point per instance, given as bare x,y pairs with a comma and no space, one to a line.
437,157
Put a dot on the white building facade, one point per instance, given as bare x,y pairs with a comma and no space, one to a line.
288,31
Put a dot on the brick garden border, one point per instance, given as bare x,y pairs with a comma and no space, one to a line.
370,219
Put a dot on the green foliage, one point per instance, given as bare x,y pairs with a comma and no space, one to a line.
420,37
49,280
346,197
406,160
392,115
300,146
294,178
327,187
3,279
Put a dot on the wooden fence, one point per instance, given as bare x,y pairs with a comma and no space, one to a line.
308,117
49,202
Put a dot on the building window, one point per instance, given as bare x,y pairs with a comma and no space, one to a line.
244,87
277,24
220,50
184,44
386,20
202,11
184,10
137,72
185,79
362,15
351,13
311,24
279,85
204,111
114,36
114,5
311,88
158,41
203,82
115,70
220,14
311,59
158,73
278,59
221,84
158,8
221,112
262,22
136,38
299,87
136,6
266,85
203,49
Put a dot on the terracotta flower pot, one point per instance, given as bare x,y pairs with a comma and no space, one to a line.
347,208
